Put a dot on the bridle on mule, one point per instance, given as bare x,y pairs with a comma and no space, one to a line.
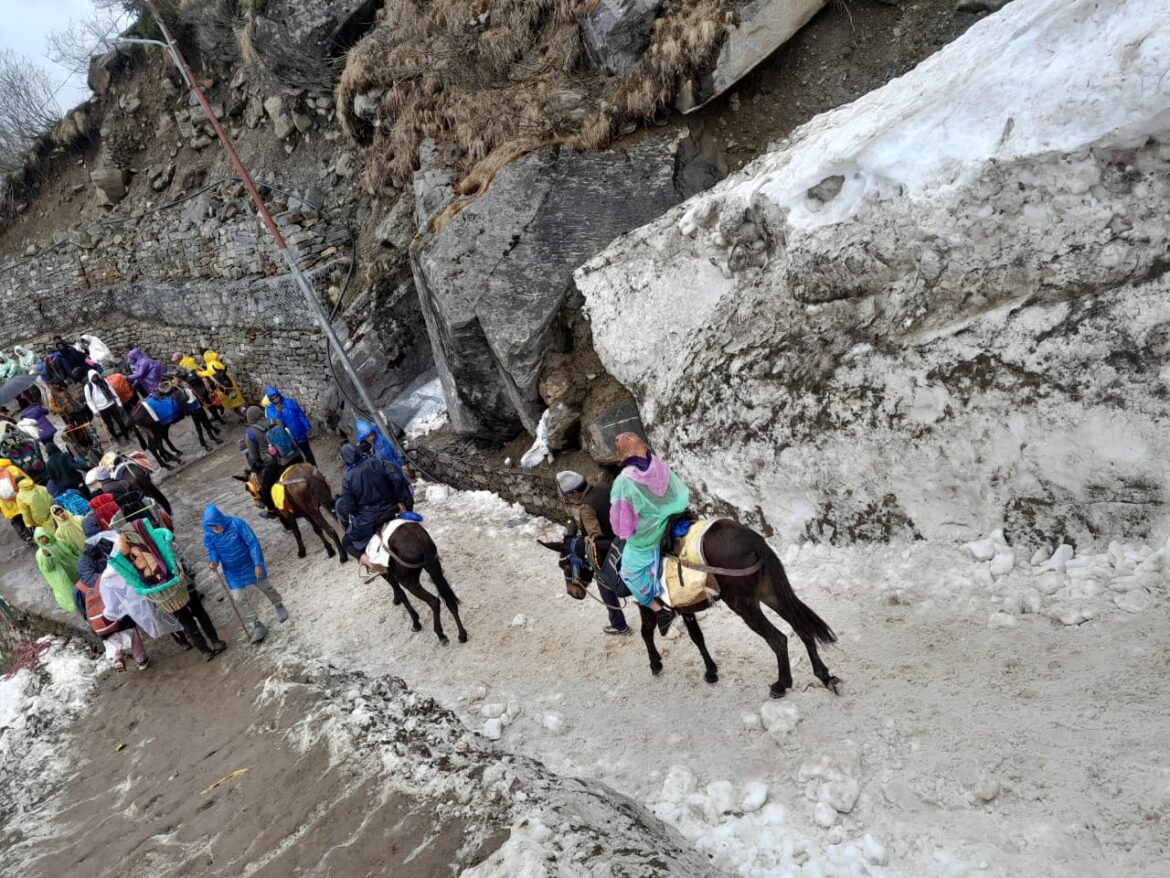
573,574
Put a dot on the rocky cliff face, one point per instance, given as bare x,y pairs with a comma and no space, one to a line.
940,309
444,219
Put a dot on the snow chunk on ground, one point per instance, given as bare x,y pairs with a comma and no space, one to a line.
779,718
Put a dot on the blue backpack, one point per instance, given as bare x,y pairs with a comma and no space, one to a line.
281,439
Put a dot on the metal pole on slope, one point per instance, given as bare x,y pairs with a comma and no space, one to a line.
289,257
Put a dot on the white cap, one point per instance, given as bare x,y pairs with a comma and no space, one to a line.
570,482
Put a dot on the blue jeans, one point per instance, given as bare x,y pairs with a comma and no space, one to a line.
616,617
610,586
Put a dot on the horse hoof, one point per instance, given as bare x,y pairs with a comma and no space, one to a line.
301,553
833,684
711,677
656,670
344,557
416,627
397,600
463,637
444,641
776,690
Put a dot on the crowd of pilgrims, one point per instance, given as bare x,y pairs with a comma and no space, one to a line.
103,534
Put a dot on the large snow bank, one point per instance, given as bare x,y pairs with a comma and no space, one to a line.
36,707
936,311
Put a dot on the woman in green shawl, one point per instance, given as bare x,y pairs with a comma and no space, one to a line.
57,561
642,501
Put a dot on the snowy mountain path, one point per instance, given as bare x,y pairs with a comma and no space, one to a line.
976,735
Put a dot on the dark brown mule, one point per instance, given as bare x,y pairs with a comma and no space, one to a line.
408,552
730,546
306,490
155,436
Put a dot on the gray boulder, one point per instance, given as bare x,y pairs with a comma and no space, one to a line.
617,32
494,279
434,187
608,412
109,185
764,26
323,28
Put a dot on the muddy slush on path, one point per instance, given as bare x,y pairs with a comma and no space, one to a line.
260,763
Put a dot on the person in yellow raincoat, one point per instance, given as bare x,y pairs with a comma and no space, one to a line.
186,362
215,371
10,478
36,505
68,527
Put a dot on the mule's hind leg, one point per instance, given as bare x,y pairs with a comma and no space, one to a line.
316,523
400,598
434,568
768,596
411,583
693,629
290,524
165,439
748,609
649,622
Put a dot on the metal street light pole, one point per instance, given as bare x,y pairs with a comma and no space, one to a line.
310,294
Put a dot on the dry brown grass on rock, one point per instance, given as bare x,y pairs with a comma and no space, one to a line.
490,80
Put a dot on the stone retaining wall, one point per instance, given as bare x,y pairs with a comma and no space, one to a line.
458,464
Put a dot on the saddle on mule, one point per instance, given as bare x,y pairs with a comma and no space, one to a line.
687,579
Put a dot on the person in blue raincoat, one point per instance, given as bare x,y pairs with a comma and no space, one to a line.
289,412
376,445
373,491
233,546
372,443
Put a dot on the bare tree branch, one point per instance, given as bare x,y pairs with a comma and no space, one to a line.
27,108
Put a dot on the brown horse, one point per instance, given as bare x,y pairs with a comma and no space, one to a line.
750,575
306,490
398,552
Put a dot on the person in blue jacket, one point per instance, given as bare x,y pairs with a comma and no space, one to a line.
232,545
289,412
374,444
373,491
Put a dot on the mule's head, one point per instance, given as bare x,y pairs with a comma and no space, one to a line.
573,565
252,483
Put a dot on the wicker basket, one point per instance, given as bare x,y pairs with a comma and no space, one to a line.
173,598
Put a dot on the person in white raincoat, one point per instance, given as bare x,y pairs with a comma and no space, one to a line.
122,600
97,350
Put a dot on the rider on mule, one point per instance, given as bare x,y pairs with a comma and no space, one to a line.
373,491
644,499
590,506
260,461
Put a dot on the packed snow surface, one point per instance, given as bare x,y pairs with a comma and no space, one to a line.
1042,89
978,698
37,706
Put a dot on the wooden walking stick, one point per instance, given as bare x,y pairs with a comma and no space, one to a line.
232,601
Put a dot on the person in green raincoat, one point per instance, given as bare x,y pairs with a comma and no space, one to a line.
643,499
57,561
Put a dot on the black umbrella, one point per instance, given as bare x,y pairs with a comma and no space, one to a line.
13,387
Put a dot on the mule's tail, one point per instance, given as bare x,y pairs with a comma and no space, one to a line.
434,568
799,615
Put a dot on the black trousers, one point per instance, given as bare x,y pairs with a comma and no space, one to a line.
21,529
115,422
193,617
307,452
